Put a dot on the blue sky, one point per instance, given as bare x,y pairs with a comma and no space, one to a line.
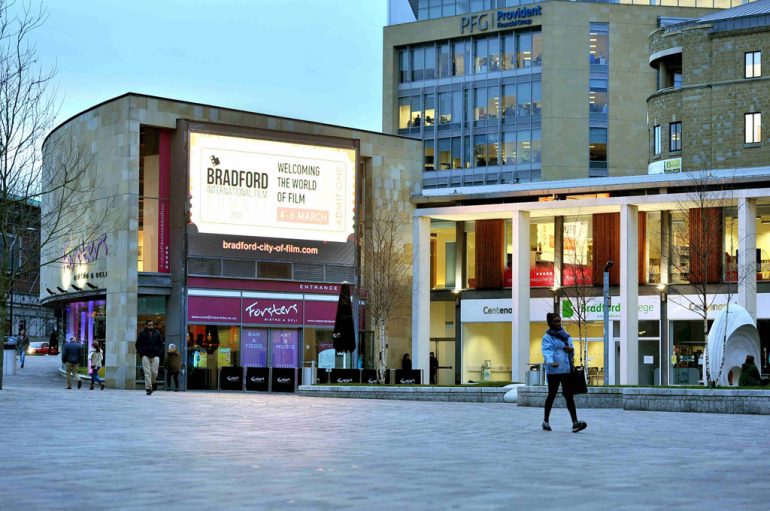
319,60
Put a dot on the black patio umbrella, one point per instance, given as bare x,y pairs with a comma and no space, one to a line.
344,334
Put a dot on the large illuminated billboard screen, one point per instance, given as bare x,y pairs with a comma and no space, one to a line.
270,200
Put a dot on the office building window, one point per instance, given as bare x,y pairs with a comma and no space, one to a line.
418,64
480,104
444,108
495,60
597,144
509,148
675,136
537,102
403,66
457,160
523,98
457,107
753,132
523,147
428,144
460,58
537,48
467,152
444,61
597,96
493,147
525,50
430,111
509,102
509,52
480,55
536,146
599,44
444,154
404,113
480,150
656,146
430,63
493,102
753,64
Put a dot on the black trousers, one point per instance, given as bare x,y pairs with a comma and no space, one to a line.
169,374
554,380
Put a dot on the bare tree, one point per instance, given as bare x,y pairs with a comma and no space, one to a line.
693,258
577,286
51,198
386,274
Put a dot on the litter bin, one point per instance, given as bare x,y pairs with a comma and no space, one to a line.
535,375
9,359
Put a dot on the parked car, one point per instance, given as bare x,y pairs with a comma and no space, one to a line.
38,348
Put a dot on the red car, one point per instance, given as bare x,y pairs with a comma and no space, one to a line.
40,348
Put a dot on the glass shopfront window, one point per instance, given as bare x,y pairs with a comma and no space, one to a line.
731,241
689,345
680,246
284,345
214,347
87,322
654,256
542,252
578,251
486,352
316,341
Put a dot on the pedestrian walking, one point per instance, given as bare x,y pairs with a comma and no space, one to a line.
53,343
149,345
558,353
96,360
173,367
433,368
70,356
22,345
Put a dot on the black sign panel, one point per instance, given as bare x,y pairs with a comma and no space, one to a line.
197,379
370,376
283,379
231,378
345,376
257,378
408,377
322,376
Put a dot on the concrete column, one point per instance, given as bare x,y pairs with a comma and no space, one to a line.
747,259
629,295
421,295
520,298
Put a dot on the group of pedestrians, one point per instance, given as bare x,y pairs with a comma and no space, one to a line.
71,357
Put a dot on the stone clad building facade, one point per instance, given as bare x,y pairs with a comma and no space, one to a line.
149,256
710,78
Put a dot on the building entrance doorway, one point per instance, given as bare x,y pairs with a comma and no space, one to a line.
444,348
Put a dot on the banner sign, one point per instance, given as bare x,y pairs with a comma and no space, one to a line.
267,311
258,378
268,200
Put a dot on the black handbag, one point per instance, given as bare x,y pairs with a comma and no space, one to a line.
577,381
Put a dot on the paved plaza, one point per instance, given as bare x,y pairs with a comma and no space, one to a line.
116,449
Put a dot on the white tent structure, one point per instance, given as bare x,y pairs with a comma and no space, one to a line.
732,336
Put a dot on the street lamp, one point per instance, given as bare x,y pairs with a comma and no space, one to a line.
607,364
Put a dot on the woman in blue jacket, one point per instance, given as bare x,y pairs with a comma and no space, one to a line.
557,354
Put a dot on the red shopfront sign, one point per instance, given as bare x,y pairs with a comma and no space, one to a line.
267,311
213,309
260,311
320,313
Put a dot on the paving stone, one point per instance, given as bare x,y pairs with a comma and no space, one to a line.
120,449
